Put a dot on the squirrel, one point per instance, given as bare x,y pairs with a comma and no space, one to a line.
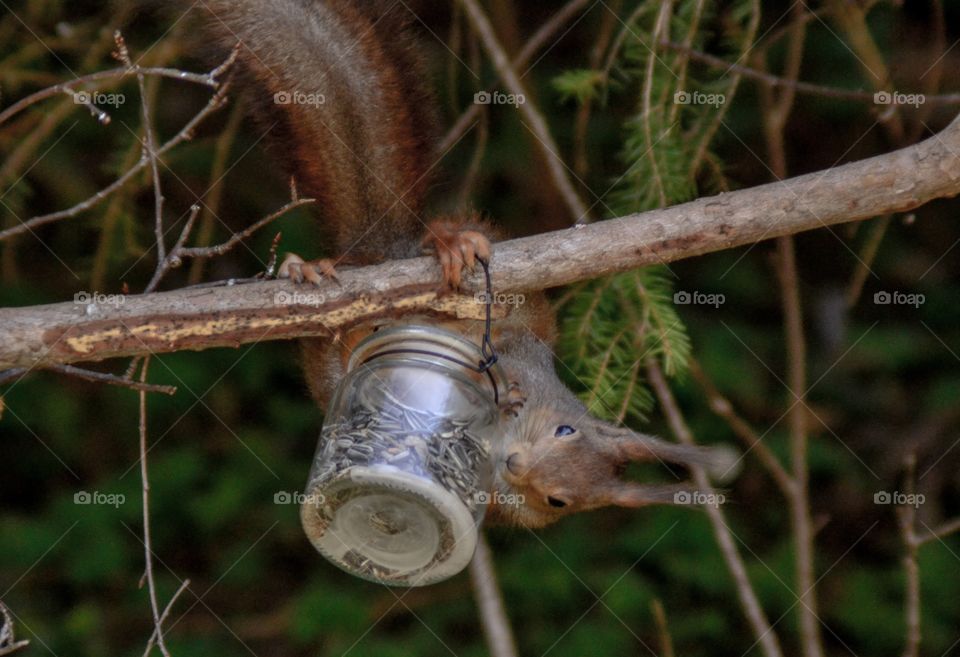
340,85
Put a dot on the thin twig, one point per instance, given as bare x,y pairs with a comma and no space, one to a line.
535,122
163,617
663,631
147,544
216,102
906,520
724,409
776,108
70,88
8,640
150,148
604,35
493,616
546,32
236,238
941,532
809,88
763,632
865,258
110,379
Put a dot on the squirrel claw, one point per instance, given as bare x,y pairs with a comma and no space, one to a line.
298,270
456,249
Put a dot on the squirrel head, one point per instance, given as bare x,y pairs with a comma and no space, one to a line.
554,458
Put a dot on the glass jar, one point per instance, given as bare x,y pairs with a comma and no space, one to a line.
397,488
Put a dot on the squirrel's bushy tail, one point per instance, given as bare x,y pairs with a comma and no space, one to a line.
339,88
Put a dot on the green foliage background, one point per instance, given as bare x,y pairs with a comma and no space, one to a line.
885,379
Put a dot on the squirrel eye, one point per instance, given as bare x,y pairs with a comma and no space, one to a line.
564,430
552,501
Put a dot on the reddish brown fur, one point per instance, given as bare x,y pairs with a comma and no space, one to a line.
365,155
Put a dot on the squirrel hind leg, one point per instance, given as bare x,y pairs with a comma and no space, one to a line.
457,245
299,270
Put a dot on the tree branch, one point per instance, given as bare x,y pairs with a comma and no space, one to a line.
201,318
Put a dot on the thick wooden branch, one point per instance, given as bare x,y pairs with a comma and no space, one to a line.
194,319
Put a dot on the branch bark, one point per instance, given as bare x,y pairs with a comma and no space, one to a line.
201,318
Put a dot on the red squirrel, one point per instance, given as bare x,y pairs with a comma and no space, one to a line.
340,86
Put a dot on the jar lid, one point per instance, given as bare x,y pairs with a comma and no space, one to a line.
388,526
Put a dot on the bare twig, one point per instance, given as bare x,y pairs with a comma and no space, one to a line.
110,379
8,640
70,88
239,236
724,409
216,102
179,252
216,188
150,151
778,82
941,532
604,34
229,316
493,616
907,522
546,32
163,617
147,544
763,632
866,256
776,108
534,119
663,631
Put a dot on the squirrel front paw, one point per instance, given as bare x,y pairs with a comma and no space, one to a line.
456,248
298,270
